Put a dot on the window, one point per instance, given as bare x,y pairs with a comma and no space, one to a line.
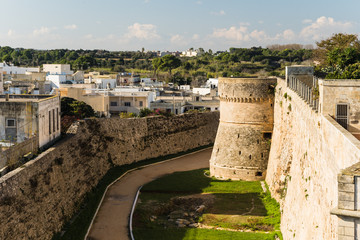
113,104
57,118
53,112
127,104
342,114
267,135
10,123
49,122
140,103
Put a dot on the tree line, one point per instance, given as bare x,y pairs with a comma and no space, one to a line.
335,57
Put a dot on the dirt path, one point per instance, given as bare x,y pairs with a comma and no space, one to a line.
112,219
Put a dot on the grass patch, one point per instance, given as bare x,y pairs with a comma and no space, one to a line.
237,205
196,233
77,227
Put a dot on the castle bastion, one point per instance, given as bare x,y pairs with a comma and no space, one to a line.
242,143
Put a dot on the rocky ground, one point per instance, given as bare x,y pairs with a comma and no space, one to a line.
183,211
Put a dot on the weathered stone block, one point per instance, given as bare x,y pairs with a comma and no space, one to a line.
345,179
348,205
349,231
346,196
342,237
346,222
346,187
341,230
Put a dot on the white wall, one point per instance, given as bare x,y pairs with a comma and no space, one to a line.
103,83
1,83
57,69
51,105
56,80
16,70
201,91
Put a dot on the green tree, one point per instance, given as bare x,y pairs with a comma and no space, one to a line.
79,109
7,58
337,43
156,63
169,62
338,54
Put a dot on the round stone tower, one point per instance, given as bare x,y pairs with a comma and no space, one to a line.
242,143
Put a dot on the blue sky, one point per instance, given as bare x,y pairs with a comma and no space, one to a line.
172,24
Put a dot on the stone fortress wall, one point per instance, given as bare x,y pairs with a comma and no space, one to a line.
242,142
310,169
39,197
309,149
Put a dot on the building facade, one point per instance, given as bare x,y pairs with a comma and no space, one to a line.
25,116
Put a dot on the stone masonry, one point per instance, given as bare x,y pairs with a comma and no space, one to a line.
39,197
242,144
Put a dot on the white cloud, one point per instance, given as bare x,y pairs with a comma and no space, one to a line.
146,1
199,2
244,23
11,33
70,27
287,34
232,33
324,27
88,36
220,13
177,39
142,31
307,21
260,21
258,35
196,37
41,31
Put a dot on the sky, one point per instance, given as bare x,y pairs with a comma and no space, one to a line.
172,25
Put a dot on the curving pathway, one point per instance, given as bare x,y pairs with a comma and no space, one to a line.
111,221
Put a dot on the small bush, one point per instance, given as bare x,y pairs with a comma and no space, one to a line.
128,115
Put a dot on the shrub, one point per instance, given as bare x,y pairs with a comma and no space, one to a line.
145,112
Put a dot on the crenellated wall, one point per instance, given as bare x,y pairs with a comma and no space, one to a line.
37,198
308,151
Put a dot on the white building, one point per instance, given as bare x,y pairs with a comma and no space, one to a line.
190,53
11,69
56,80
210,87
59,69
130,101
212,83
25,116
1,83
105,83
150,82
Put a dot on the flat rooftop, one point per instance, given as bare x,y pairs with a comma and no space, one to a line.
25,97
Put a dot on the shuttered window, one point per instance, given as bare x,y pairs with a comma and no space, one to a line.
342,114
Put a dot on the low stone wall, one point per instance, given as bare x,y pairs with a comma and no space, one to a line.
308,151
13,154
36,199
